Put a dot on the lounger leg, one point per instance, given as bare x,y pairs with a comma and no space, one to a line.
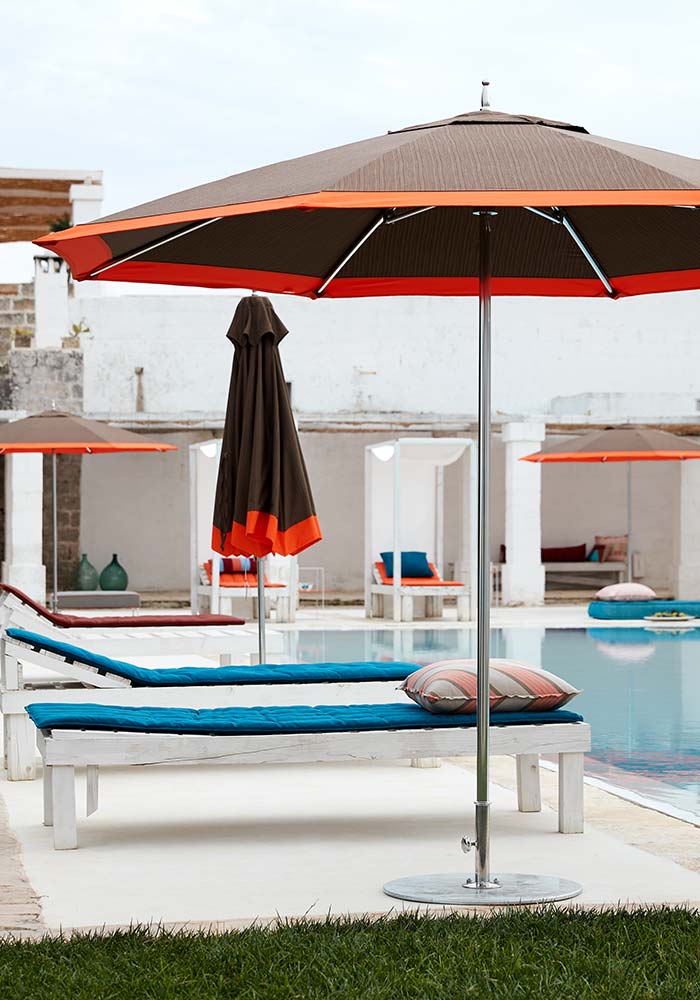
570,793
92,786
47,781
527,767
377,606
20,743
406,609
463,609
65,832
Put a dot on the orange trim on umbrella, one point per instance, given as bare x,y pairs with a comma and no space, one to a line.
611,456
79,448
385,199
279,282
260,536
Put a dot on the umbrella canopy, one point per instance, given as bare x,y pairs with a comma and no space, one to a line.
620,444
481,203
620,209
53,432
263,497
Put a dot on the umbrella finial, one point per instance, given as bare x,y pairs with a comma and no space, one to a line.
485,94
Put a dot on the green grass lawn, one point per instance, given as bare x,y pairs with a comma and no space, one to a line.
543,954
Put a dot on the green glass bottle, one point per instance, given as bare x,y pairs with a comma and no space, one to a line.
86,576
113,576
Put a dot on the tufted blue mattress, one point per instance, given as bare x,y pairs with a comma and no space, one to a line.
623,610
278,719
265,673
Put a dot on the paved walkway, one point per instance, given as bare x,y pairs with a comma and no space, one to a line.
20,907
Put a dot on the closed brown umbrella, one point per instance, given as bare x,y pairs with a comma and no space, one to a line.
621,444
482,204
55,433
263,496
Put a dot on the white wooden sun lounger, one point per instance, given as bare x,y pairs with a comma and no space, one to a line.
78,682
230,643
382,591
63,750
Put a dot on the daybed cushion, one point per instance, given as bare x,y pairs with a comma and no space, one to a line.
555,553
266,673
416,581
413,564
612,548
626,592
119,621
278,719
451,686
611,610
243,580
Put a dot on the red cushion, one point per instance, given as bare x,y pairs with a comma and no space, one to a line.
565,553
119,621
557,553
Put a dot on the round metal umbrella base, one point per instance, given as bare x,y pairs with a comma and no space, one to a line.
453,889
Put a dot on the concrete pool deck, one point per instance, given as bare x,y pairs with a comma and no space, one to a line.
223,846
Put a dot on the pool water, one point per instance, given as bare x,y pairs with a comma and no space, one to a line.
641,690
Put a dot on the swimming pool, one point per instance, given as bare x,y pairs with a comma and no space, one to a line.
641,690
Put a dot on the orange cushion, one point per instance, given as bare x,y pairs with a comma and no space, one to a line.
417,581
249,580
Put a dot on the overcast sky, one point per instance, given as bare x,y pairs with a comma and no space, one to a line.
165,94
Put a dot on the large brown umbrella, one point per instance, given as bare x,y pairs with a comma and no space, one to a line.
621,444
263,496
479,203
55,433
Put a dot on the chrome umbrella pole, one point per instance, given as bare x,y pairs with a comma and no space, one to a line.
482,875
262,653
483,889
54,505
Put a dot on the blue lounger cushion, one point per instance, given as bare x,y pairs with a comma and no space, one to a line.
268,720
265,673
625,610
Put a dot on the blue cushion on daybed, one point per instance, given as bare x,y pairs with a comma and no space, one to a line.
624,610
265,673
267,720
413,564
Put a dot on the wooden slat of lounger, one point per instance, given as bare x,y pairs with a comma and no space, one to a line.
75,747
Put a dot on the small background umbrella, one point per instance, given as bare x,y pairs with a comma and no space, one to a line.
621,444
263,497
55,433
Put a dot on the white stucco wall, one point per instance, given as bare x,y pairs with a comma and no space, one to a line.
138,506
396,354
401,357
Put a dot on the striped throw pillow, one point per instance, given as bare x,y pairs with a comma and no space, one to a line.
450,686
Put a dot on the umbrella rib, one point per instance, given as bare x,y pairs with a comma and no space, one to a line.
379,221
559,216
386,218
153,245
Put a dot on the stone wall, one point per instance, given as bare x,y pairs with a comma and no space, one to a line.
36,379
39,380
16,325
68,470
